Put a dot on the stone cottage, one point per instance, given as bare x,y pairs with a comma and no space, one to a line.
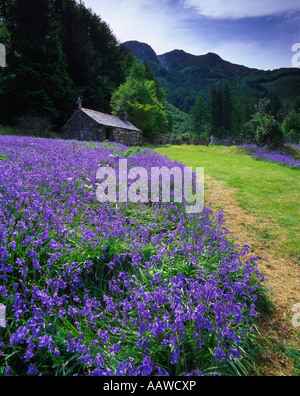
90,125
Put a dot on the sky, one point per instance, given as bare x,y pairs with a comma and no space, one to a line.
254,33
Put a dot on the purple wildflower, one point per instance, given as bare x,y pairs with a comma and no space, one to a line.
19,336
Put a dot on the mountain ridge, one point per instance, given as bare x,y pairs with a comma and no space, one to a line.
135,47
184,77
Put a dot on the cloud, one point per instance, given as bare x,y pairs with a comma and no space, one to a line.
159,23
237,9
251,54
201,26
153,22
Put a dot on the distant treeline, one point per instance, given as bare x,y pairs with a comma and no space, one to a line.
224,115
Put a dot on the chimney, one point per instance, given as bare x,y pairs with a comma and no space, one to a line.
79,102
122,115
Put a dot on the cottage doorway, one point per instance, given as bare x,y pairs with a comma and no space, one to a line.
109,135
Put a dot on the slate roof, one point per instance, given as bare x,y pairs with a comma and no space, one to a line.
109,120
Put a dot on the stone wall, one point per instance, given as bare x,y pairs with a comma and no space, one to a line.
82,127
128,138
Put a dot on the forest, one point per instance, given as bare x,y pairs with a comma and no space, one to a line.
58,50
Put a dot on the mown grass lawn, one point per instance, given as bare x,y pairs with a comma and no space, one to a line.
269,191
267,198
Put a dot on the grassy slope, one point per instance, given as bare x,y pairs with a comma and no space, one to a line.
269,191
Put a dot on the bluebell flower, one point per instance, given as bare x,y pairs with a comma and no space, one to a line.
19,336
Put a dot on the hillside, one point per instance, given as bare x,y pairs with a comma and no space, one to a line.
185,76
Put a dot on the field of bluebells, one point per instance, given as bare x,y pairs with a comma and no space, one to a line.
272,156
96,289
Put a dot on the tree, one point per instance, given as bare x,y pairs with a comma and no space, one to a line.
6,78
149,75
4,34
214,109
248,130
227,108
291,125
179,122
200,116
138,97
96,63
61,50
221,109
39,84
275,106
268,131
5,8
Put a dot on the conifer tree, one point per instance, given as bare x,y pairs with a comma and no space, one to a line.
200,116
227,109
41,85
96,63
222,110
59,50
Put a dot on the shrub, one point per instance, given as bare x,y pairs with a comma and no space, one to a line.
291,126
268,132
270,135
36,124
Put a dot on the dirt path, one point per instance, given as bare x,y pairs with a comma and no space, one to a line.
278,332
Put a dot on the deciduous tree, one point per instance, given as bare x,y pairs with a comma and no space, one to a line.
138,97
